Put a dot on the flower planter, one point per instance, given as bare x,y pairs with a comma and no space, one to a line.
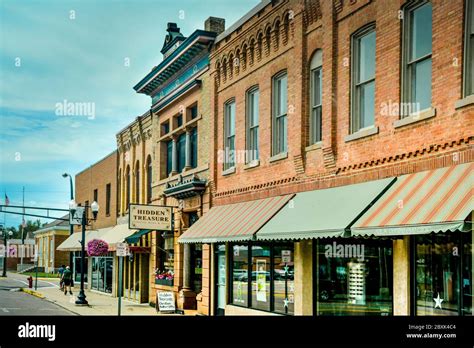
167,282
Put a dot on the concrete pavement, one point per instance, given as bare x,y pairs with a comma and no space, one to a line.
99,303
20,303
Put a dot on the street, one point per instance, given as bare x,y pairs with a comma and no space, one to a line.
20,303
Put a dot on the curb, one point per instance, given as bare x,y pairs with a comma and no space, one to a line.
32,292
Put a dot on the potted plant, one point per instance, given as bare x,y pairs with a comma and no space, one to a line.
164,277
97,247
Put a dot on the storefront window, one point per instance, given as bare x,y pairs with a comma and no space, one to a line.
270,277
284,279
240,267
165,253
77,267
444,274
102,268
261,277
354,277
196,266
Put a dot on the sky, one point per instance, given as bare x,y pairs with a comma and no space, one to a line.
54,52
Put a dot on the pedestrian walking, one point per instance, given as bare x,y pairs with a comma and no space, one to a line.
61,271
67,280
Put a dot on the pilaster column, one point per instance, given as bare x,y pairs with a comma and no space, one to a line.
187,267
188,163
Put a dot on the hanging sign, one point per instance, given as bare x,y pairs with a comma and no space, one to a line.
151,217
165,301
122,249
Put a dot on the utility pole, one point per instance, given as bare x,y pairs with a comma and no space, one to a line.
22,231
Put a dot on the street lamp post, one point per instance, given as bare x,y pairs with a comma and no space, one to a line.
71,226
5,256
81,298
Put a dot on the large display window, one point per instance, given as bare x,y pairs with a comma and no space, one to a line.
262,277
443,274
353,277
102,270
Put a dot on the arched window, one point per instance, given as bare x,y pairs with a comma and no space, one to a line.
137,182
148,179
127,179
316,96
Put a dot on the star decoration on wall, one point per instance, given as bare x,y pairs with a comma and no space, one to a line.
285,301
438,301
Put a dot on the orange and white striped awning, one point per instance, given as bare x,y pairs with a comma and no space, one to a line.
234,222
432,201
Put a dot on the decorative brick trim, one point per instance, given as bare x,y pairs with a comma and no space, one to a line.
298,161
399,157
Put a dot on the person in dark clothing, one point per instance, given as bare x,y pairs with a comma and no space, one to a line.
67,280
61,271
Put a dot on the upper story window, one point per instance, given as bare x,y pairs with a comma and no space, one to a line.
119,190
165,128
169,157
469,50
279,113
193,112
181,152
179,120
148,179
137,182
108,195
417,49
127,188
194,147
316,97
96,195
229,134
363,79
253,97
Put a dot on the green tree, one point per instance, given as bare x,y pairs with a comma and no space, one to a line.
30,227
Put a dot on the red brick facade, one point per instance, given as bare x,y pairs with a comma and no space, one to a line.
296,29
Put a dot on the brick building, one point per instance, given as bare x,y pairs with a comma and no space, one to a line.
97,183
179,88
341,159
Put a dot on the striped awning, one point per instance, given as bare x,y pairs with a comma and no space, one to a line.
432,201
234,222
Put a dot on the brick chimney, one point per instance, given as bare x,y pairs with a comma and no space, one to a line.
214,24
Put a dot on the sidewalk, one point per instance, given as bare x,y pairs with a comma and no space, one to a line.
99,303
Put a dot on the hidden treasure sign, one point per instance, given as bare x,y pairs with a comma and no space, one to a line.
150,217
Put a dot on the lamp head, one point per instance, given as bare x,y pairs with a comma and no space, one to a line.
10,233
72,206
95,209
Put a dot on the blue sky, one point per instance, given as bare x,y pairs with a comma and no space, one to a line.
57,50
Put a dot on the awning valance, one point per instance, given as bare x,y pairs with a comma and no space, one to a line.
134,238
111,235
431,201
234,222
72,243
323,213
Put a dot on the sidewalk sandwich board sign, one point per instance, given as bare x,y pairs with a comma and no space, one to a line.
165,301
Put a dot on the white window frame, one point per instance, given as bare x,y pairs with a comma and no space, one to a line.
408,66
468,66
229,137
279,143
316,66
356,85
252,129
